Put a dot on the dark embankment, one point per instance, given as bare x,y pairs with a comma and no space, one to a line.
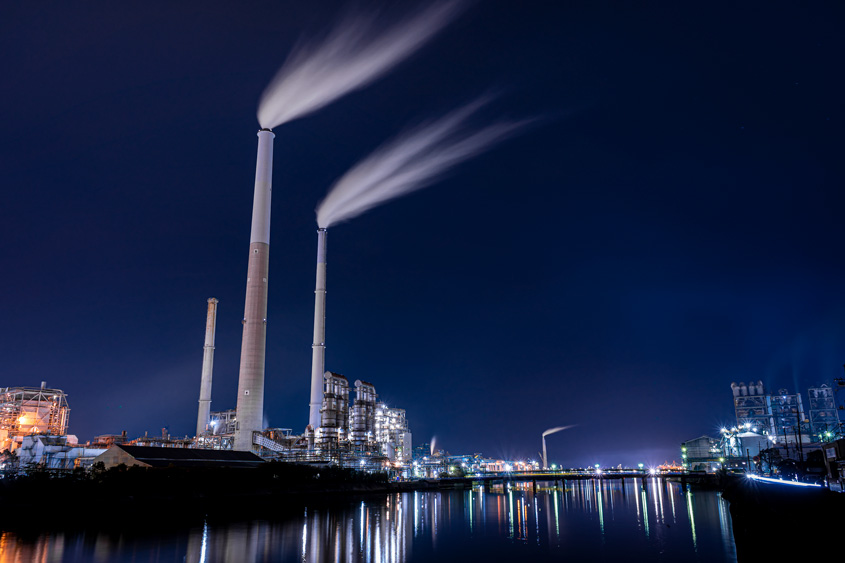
775,522
140,497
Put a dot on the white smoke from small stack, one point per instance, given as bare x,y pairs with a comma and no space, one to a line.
411,161
546,433
353,55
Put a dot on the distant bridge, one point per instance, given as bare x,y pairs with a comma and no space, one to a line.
698,478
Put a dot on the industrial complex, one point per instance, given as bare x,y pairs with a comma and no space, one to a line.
774,434
347,424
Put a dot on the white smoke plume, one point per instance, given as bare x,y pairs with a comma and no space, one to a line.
354,54
411,161
558,429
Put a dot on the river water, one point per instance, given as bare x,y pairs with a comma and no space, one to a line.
607,520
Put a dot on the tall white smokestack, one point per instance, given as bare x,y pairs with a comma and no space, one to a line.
251,375
318,349
207,366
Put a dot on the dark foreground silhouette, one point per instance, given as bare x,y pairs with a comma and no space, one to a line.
776,522
158,497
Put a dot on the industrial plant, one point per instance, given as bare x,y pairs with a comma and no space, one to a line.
26,411
774,434
346,427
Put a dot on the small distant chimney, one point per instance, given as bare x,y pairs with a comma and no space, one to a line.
207,367
43,385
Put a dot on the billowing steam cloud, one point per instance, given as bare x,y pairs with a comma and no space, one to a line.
409,162
352,56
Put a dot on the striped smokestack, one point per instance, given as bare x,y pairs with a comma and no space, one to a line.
207,366
251,375
318,349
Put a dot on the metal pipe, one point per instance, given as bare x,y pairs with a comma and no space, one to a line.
250,409
207,366
318,348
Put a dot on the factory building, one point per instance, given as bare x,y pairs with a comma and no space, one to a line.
146,456
223,422
824,417
334,412
392,433
219,433
26,411
702,454
779,416
753,406
791,425
366,430
362,418
55,452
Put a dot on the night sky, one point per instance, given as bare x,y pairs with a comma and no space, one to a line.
670,223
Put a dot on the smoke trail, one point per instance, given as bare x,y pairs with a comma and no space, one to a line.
558,429
409,162
354,54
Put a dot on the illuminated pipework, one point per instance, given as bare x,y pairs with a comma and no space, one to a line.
392,433
334,412
362,424
29,410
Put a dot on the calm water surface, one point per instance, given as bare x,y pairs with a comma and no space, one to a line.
605,520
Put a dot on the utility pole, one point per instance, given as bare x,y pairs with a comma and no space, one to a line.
800,446
839,384
785,441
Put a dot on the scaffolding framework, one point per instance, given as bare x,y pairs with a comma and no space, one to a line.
823,414
790,422
31,410
392,433
753,406
362,418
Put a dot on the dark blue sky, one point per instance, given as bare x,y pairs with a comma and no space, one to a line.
672,223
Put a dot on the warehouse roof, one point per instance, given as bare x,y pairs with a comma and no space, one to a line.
189,457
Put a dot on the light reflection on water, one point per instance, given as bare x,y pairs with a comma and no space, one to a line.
597,520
